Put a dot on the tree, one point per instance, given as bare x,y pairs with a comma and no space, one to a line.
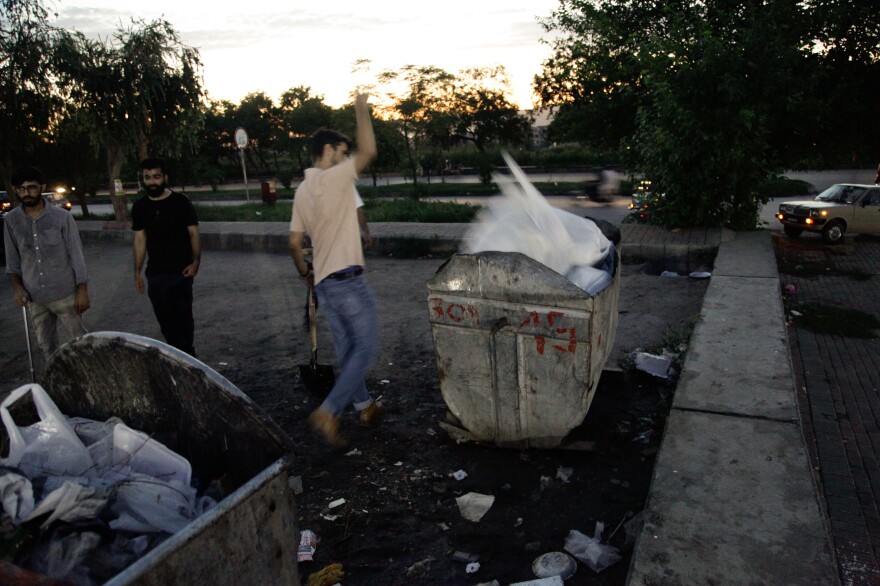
65,156
434,108
301,115
482,115
28,101
258,115
419,101
845,60
706,88
593,76
140,90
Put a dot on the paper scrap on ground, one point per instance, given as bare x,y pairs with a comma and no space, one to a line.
474,505
653,364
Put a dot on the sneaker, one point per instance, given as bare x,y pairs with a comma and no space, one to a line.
371,415
327,425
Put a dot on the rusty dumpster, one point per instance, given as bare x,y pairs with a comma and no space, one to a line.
251,535
519,348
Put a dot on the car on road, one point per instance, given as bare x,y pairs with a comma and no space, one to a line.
840,209
56,199
643,201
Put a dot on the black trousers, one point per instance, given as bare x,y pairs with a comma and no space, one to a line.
171,296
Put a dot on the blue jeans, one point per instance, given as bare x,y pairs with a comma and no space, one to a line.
172,298
351,310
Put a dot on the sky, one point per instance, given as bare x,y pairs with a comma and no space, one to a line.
273,45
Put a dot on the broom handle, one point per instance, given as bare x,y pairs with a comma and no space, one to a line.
313,327
27,337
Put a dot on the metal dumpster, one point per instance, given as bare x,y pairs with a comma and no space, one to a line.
251,536
519,348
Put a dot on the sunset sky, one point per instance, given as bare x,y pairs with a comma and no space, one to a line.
272,45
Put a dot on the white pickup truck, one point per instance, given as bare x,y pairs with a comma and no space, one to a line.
839,209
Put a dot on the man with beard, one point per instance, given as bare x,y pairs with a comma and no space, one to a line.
166,231
44,261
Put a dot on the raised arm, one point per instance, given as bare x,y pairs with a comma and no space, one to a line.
366,140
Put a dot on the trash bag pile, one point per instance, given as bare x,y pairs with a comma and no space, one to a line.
84,499
522,220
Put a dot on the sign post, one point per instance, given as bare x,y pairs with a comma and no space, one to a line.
241,140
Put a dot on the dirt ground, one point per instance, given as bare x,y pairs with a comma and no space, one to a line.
400,523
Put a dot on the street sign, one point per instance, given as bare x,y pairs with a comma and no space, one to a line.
241,137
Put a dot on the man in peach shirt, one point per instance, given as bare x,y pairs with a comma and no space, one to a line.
322,207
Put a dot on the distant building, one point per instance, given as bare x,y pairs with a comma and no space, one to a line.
541,119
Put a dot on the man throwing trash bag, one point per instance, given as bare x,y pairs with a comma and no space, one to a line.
322,207
44,261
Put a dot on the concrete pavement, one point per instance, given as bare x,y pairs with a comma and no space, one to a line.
733,500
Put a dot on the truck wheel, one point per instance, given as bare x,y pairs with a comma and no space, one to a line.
833,233
792,232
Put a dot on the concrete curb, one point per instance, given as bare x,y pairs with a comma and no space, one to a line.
682,251
733,499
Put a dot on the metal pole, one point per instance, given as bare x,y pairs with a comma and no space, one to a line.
247,191
27,337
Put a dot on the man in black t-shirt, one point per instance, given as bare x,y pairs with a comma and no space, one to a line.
166,231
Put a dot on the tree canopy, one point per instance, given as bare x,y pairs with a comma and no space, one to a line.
139,90
709,99
27,98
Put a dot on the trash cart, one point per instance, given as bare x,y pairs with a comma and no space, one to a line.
249,537
519,348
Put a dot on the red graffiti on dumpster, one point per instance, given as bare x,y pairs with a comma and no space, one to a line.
458,313
534,319
454,311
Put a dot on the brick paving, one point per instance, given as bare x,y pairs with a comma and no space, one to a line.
838,387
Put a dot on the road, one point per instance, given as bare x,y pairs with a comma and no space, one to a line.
613,212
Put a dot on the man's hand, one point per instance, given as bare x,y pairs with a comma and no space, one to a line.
191,270
20,296
139,283
82,302
367,240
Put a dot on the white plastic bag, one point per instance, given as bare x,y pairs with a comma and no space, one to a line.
523,221
17,495
147,456
145,504
590,550
49,447
590,279
76,499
